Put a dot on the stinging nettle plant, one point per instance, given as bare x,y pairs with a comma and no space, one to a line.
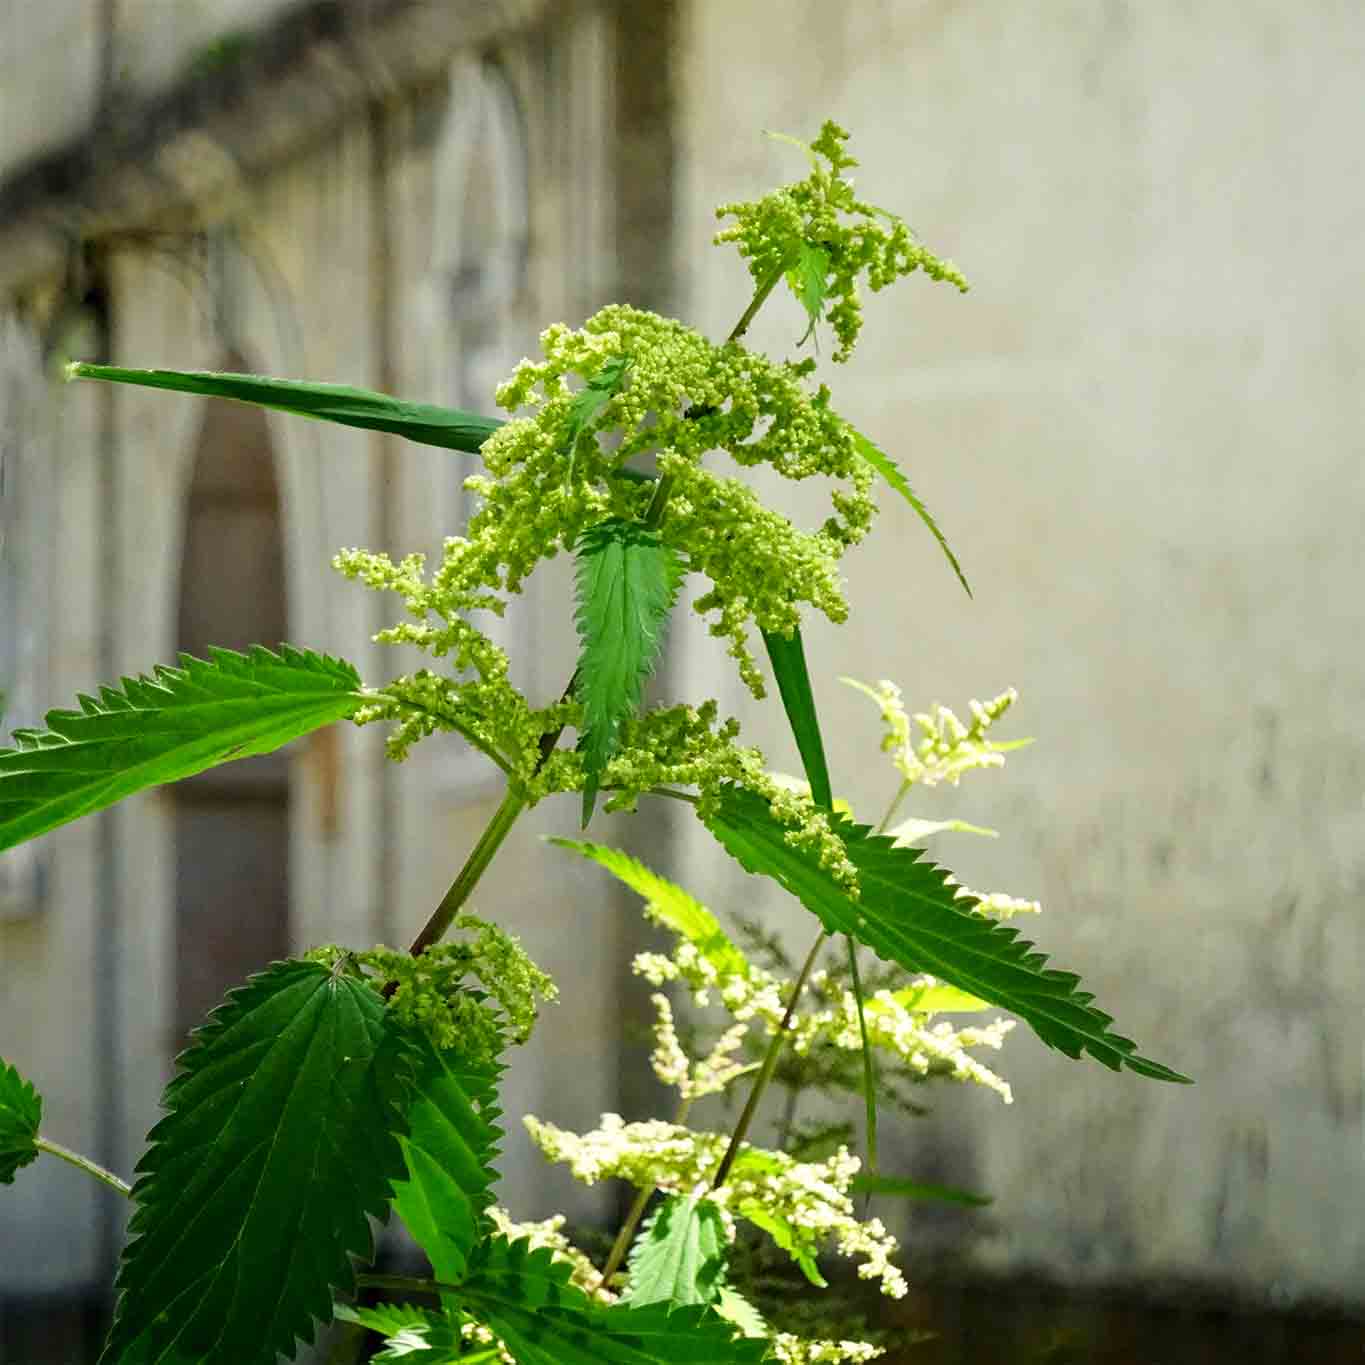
351,1084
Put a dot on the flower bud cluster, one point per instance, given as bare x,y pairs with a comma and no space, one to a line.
770,233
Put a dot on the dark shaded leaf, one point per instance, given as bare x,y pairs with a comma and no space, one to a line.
425,423
788,658
908,913
280,1141
21,1111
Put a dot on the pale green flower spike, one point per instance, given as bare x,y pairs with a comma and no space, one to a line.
802,228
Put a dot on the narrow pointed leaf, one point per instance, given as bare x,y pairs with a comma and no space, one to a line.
788,658
808,280
679,1256
21,1111
451,1142
525,1298
280,1140
627,581
425,423
590,401
913,1189
669,905
157,729
892,473
908,913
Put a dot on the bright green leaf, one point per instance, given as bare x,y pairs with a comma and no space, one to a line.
669,905
451,1142
410,1332
525,1298
891,472
21,1111
159,729
280,1141
788,1236
936,999
911,831
424,423
788,658
808,279
736,1309
908,913
627,580
589,402
913,1189
679,1256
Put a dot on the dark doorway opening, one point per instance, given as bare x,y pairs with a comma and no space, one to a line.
231,823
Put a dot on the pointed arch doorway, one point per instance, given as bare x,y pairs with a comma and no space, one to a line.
231,823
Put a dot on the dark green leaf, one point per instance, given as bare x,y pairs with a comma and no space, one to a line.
808,280
679,1256
525,1297
452,1140
788,658
590,401
627,580
425,423
21,1111
668,904
280,1140
913,1189
159,729
908,914
891,472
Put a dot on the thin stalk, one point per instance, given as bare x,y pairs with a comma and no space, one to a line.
765,1072
637,1209
760,297
85,1164
404,1284
513,803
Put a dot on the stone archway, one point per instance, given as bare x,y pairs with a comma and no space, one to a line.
231,823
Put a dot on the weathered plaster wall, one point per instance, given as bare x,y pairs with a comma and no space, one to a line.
1142,430
49,63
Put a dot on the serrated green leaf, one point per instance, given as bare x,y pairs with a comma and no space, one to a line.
525,1298
790,1238
891,472
679,1256
808,279
411,1332
627,580
908,913
736,1309
280,1141
159,729
788,658
913,1189
21,1111
425,423
669,905
451,1143
935,999
589,401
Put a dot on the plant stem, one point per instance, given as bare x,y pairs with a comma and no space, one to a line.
85,1164
760,297
765,1073
404,1284
624,1237
513,803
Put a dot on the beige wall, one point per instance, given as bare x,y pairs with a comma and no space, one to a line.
1142,432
